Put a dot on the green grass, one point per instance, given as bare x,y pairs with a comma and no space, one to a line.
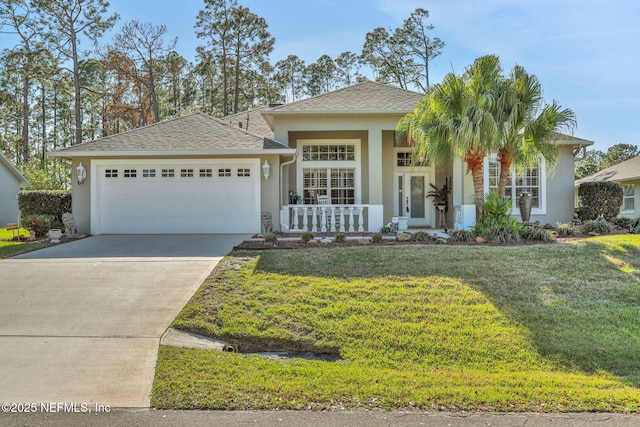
10,248
521,328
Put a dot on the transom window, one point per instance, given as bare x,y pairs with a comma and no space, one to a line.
628,201
224,172
111,173
168,173
338,183
186,173
244,172
527,180
148,173
405,159
206,173
328,152
130,173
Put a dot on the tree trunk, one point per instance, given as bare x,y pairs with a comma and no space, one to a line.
475,162
76,84
25,117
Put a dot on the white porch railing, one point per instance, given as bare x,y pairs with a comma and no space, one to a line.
324,218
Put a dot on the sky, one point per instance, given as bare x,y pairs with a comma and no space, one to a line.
586,53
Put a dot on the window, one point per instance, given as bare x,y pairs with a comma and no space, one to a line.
337,182
186,173
628,200
130,173
168,173
405,159
148,173
329,152
206,173
244,172
527,180
224,172
111,173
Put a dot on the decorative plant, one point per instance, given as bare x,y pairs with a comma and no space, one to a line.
422,236
461,236
340,238
537,233
440,195
376,238
306,236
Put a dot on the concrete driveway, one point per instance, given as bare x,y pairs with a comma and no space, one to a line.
81,322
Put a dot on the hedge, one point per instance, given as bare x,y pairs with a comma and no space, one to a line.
599,198
45,202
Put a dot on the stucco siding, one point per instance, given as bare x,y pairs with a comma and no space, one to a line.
9,188
559,190
635,213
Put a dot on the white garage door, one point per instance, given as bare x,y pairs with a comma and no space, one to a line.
175,197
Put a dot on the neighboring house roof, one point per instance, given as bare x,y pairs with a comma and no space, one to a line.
251,121
194,134
624,171
368,98
23,181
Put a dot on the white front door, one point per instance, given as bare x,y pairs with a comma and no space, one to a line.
411,198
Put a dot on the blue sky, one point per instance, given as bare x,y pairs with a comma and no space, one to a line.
586,53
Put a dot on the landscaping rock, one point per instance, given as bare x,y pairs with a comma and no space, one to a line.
481,240
404,237
313,242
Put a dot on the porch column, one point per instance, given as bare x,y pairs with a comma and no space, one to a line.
375,167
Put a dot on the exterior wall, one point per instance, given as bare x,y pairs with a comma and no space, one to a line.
559,190
9,188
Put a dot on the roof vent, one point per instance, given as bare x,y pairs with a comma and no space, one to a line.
275,105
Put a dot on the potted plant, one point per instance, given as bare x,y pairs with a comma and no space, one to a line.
440,195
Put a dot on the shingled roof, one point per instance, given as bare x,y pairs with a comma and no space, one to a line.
623,171
196,133
251,121
368,97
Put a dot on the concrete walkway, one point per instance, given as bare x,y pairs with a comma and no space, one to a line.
81,322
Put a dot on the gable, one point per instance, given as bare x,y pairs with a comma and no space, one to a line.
12,171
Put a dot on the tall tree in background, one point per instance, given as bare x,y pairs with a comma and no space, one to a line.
144,45
17,18
238,39
290,72
67,21
415,35
347,68
321,76
596,160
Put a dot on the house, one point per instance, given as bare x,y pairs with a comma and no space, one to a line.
627,174
327,163
11,182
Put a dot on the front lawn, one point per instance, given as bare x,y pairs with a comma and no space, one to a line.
520,328
10,248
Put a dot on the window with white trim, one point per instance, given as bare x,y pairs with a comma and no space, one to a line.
628,200
148,173
206,173
168,173
244,172
224,172
329,168
186,173
525,180
111,173
130,173
406,159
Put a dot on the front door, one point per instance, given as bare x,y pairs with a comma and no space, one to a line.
411,198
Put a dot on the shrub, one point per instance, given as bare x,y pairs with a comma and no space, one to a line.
461,236
497,213
566,230
386,230
40,224
421,236
599,198
597,226
622,222
502,235
340,238
537,233
45,202
377,238
306,236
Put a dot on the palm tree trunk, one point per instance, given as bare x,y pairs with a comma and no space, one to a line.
475,162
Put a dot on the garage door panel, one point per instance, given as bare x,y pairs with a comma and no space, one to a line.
179,204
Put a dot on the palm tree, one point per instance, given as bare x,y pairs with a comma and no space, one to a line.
528,126
457,119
